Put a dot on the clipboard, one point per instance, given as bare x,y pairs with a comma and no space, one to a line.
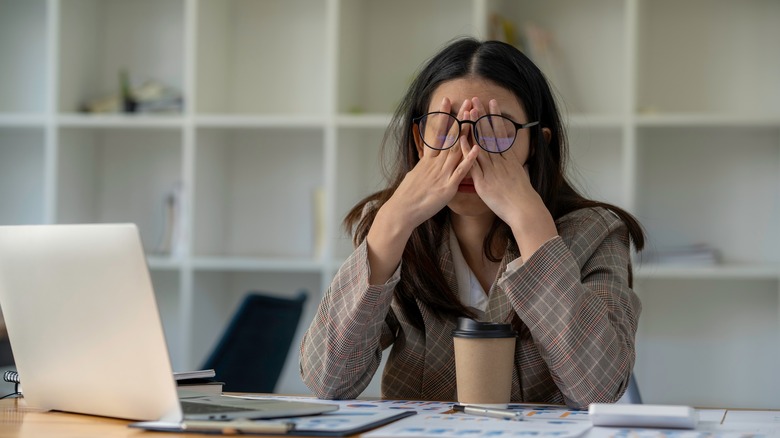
331,424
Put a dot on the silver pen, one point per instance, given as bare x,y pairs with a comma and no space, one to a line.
485,411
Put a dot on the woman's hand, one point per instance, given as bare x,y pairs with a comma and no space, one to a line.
425,190
504,185
433,182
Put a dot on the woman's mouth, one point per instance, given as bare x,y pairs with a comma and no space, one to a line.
467,186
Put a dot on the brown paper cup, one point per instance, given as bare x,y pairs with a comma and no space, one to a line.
483,363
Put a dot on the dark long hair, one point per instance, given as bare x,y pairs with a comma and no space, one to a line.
506,66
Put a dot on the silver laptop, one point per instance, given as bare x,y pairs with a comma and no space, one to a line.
86,334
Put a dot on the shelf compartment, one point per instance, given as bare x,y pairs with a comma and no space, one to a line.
596,166
587,62
710,120
731,195
22,120
721,271
255,191
705,56
167,285
359,150
262,121
24,38
378,58
120,121
99,38
364,120
695,331
238,264
119,175
163,262
22,176
582,120
262,57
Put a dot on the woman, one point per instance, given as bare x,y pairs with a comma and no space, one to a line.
480,221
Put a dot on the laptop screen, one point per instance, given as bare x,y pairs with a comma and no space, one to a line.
83,322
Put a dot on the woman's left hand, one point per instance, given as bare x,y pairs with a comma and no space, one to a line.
503,183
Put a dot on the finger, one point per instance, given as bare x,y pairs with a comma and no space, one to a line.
465,146
454,156
484,139
478,106
471,153
468,150
504,135
486,129
465,115
465,106
439,126
484,134
446,105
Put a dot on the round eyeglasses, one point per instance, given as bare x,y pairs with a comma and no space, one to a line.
494,133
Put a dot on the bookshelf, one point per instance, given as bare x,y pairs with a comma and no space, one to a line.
673,110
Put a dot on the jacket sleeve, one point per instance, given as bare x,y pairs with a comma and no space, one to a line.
342,348
574,296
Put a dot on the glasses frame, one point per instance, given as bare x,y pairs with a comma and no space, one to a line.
518,126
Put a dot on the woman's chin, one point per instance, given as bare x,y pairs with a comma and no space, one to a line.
468,204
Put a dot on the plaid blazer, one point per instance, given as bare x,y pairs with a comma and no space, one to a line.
578,320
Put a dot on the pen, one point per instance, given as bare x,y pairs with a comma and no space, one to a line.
484,411
238,426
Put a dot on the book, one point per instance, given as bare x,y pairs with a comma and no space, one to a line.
183,376
206,386
198,381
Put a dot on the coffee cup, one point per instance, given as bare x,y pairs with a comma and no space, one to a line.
484,359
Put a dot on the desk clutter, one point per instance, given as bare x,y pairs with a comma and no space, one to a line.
408,419
198,380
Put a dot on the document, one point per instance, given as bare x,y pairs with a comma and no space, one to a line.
734,417
462,425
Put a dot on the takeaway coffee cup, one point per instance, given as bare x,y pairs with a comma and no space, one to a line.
484,358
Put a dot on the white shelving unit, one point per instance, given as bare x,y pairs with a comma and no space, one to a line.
673,109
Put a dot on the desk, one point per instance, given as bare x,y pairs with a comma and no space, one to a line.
17,420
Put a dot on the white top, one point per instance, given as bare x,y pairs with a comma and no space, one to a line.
470,291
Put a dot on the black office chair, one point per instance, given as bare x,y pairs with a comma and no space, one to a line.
251,353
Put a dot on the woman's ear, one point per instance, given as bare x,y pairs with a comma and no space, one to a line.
546,135
418,140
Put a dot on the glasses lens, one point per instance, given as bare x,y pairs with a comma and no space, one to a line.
439,130
495,133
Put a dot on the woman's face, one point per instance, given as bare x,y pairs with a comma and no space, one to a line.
466,202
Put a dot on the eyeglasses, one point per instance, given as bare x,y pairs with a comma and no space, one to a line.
494,133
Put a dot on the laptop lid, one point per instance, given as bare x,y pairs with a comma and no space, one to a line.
83,322
85,330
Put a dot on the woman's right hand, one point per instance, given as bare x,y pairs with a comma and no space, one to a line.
433,182
425,190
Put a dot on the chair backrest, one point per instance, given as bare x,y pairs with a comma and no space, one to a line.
250,355
632,392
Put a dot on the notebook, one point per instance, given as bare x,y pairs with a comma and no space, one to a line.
86,333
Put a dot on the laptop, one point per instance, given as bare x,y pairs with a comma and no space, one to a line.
86,334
